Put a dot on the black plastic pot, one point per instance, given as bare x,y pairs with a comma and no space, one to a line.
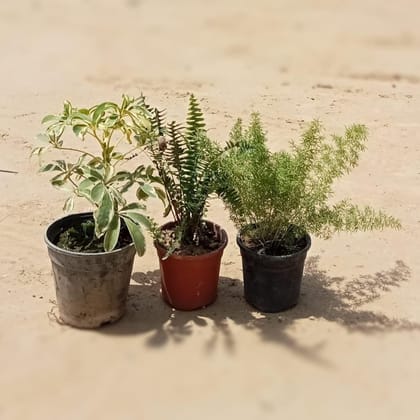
272,283
91,289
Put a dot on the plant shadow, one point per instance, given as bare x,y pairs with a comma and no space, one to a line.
333,299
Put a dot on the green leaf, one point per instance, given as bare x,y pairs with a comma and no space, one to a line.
86,185
161,194
37,151
112,234
167,211
145,122
125,187
138,218
58,182
92,173
141,195
98,192
156,179
50,167
68,204
125,101
117,196
43,138
95,161
139,174
67,108
137,235
82,114
111,121
148,189
133,206
121,176
81,160
49,118
79,130
98,112
117,156
109,172
62,164
104,214
141,140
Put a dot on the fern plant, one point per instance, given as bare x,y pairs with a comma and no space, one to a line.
276,198
186,162
97,172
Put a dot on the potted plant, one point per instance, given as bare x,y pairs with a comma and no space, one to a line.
92,253
189,247
277,200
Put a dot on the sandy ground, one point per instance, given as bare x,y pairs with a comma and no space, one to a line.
350,349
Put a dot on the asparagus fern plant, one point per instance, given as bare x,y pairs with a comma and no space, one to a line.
107,136
275,198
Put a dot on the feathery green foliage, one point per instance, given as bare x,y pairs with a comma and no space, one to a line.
97,172
186,161
274,198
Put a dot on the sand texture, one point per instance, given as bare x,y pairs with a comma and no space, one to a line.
350,349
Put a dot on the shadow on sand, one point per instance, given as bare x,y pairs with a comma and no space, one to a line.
334,299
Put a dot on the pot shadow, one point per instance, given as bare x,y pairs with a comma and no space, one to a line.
333,299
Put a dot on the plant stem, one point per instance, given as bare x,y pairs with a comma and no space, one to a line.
71,149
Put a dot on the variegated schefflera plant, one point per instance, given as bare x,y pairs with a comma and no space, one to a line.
104,138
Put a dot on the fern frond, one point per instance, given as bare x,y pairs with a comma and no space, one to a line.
175,146
185,163
195,119
159,121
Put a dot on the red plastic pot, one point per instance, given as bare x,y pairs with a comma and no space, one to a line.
190,282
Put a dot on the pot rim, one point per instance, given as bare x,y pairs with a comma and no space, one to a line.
53,246
275,257
210,254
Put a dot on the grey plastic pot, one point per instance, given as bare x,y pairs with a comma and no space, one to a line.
272,283
91,289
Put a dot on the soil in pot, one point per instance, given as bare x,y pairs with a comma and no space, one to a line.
272,282
80,237
189,276
91,287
